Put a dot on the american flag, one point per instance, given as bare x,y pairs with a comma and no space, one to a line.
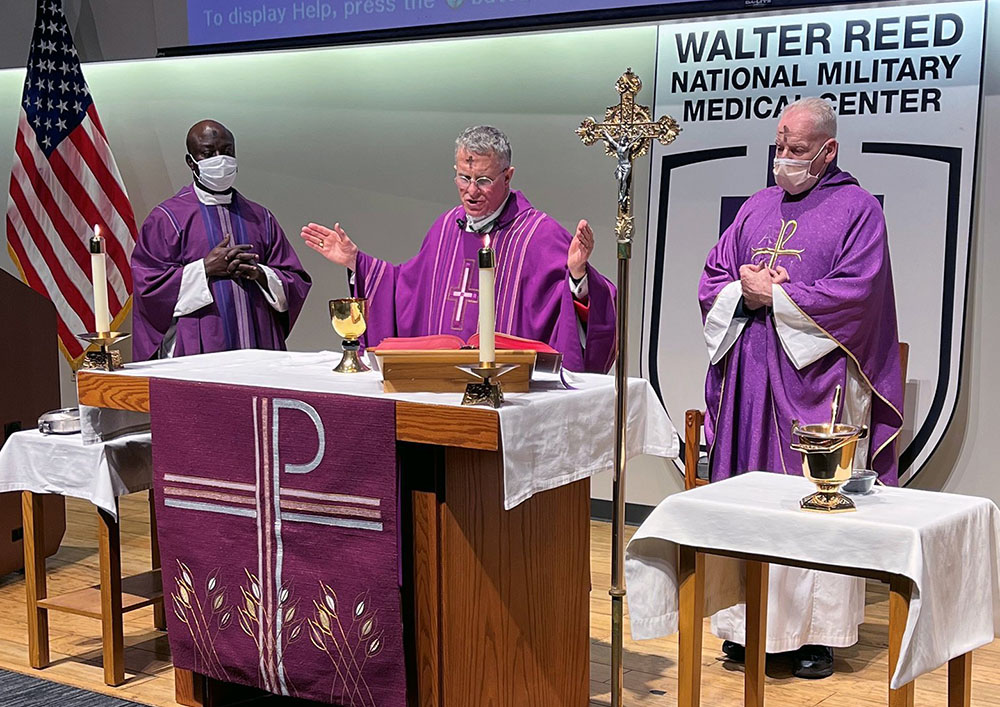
64,182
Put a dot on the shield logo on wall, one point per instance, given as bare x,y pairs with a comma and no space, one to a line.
727,81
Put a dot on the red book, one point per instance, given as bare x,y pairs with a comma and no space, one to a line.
450,341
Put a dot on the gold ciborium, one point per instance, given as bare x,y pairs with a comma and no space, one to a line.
349,318
827,452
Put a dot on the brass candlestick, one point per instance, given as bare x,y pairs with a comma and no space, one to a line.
105,358
487,390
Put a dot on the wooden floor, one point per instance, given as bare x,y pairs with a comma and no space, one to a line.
651,667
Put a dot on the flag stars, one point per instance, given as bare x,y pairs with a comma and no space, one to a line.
61,106
47,142
78,107
63,87
53,27
61,125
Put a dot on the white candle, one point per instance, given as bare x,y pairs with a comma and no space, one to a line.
98,273
487,307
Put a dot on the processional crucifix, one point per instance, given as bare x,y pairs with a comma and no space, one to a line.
627,132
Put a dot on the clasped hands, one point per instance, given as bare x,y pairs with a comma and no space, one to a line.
757,281
232,261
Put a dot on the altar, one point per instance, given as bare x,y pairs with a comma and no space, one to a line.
493,516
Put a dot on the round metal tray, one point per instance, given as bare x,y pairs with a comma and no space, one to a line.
65,421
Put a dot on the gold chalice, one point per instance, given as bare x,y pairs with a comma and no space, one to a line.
827,452
349,318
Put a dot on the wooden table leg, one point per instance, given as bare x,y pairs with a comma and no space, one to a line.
112,640
691,586
960,681
159,615
33,522
756,633
189,688
900,589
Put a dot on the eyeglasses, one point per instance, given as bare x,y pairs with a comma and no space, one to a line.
484,183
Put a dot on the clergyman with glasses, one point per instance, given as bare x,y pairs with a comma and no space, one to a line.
546,289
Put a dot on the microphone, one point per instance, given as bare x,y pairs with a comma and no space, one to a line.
461,223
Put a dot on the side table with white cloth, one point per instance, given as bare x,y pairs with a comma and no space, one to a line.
709,548
496,509
37,464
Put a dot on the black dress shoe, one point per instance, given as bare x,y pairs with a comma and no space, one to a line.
734,651
813,662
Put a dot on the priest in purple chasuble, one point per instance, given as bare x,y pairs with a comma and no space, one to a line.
797,298
545,288
213,271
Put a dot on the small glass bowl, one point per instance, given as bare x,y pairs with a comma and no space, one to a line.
862,481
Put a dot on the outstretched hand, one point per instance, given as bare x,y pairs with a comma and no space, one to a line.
580,249
332,243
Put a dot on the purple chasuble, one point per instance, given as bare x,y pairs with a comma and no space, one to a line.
183,230
840,278
437,291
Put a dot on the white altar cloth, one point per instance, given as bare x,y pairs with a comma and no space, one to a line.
946,544
62,464
550,436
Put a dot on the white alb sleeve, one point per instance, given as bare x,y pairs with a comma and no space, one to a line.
194,293
803,341
722,327
275,290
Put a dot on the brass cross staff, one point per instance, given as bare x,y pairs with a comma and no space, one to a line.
627,132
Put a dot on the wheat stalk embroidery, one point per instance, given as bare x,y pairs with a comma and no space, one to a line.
204,619
348,649
251,612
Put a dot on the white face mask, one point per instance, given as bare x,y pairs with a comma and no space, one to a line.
218,173
793,175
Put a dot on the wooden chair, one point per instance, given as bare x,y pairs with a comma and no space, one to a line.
694,420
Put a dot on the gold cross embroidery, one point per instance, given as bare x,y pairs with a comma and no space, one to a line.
787,231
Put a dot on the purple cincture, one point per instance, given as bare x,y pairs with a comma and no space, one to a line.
436,291
182,230
842,280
